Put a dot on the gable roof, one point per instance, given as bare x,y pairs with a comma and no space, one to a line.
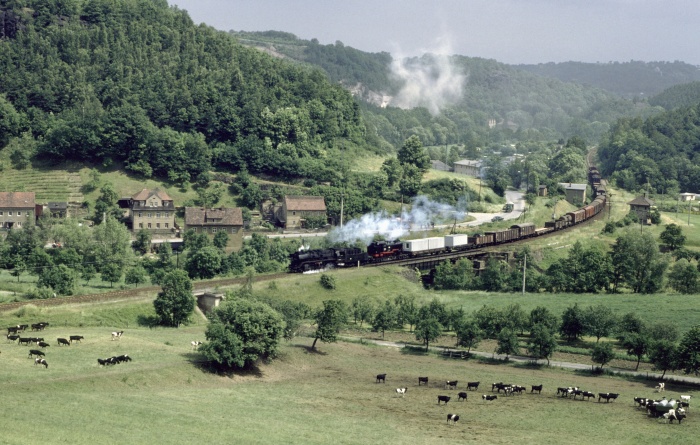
17,199
305,203
145,194
199,216
641,201
468,163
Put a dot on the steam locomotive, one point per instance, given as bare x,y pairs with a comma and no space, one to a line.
387,251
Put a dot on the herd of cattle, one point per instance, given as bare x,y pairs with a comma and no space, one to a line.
14,333
670,410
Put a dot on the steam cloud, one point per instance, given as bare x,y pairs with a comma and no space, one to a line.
423,212
431,81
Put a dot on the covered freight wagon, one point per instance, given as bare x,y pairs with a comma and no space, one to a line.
456,241
525,229
424,245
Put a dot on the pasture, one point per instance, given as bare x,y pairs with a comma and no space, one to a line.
166,395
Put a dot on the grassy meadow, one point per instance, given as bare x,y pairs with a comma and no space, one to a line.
168,395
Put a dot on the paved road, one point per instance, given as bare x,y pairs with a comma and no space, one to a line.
566,365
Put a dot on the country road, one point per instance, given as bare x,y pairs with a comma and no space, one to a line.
524,359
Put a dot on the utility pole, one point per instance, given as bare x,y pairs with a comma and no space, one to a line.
524,268
342,203
689,209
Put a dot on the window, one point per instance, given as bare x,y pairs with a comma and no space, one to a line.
157,225
166,225
27,214
9,213
213,230
158,215
149,225
140,225
294,213
0,212
140,214
148,215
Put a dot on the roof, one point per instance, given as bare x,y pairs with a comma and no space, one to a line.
57,205
641,201
199,216
145,194
468,163
570,186
305,203
17,199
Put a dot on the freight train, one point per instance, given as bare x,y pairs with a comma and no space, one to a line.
387,251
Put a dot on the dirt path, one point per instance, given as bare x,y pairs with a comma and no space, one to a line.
554,363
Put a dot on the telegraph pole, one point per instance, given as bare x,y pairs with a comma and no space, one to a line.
524,267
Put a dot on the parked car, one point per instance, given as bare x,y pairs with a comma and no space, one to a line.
497,218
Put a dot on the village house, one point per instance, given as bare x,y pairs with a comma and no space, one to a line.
17,209
152,210
212,221
295,210
468,167
57,209
575,193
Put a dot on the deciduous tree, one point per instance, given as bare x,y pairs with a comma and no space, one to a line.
428,330
174,303
329,320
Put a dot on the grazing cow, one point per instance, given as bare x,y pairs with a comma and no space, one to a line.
443,399
122,358
41,361
401,391
38,326
76,338
607,396
685,398
25,341
37,340
103,362
519,389
381,378
12,337
587,394
563,391
43,344
63,341
489,398
195,345
22,327
422,380
12,330
675,414
451,384
117,335
35,352
453,417
473,385
661,387
496,385
537,388
462,396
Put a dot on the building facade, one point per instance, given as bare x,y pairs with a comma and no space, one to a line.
295,210
575,193
152,210
468,167
212,221
17,209
641,205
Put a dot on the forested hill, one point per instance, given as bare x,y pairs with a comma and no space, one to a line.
136,81
662,153
685,95
525,106
632,79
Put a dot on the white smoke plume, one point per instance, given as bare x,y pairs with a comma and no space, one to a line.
422,214
431,81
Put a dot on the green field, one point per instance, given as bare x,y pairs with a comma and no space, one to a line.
168,395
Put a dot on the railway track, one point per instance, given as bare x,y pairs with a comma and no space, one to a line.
130,293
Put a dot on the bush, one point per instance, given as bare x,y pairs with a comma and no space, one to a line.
327,281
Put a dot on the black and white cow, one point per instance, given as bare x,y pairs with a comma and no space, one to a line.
608,396
35,352
443,399
63,341
401,391
462,396
25,341
451,384
473,386
195,344
41,361
488,397
117,335
12,337
452,417
43,344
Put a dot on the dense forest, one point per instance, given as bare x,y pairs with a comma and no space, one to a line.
661,153
525,106
135,81
633,79
685,95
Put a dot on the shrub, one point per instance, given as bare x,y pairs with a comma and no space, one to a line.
328,282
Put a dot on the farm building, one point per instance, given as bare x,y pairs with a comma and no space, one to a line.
17,209
295,210
211,221
468,167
